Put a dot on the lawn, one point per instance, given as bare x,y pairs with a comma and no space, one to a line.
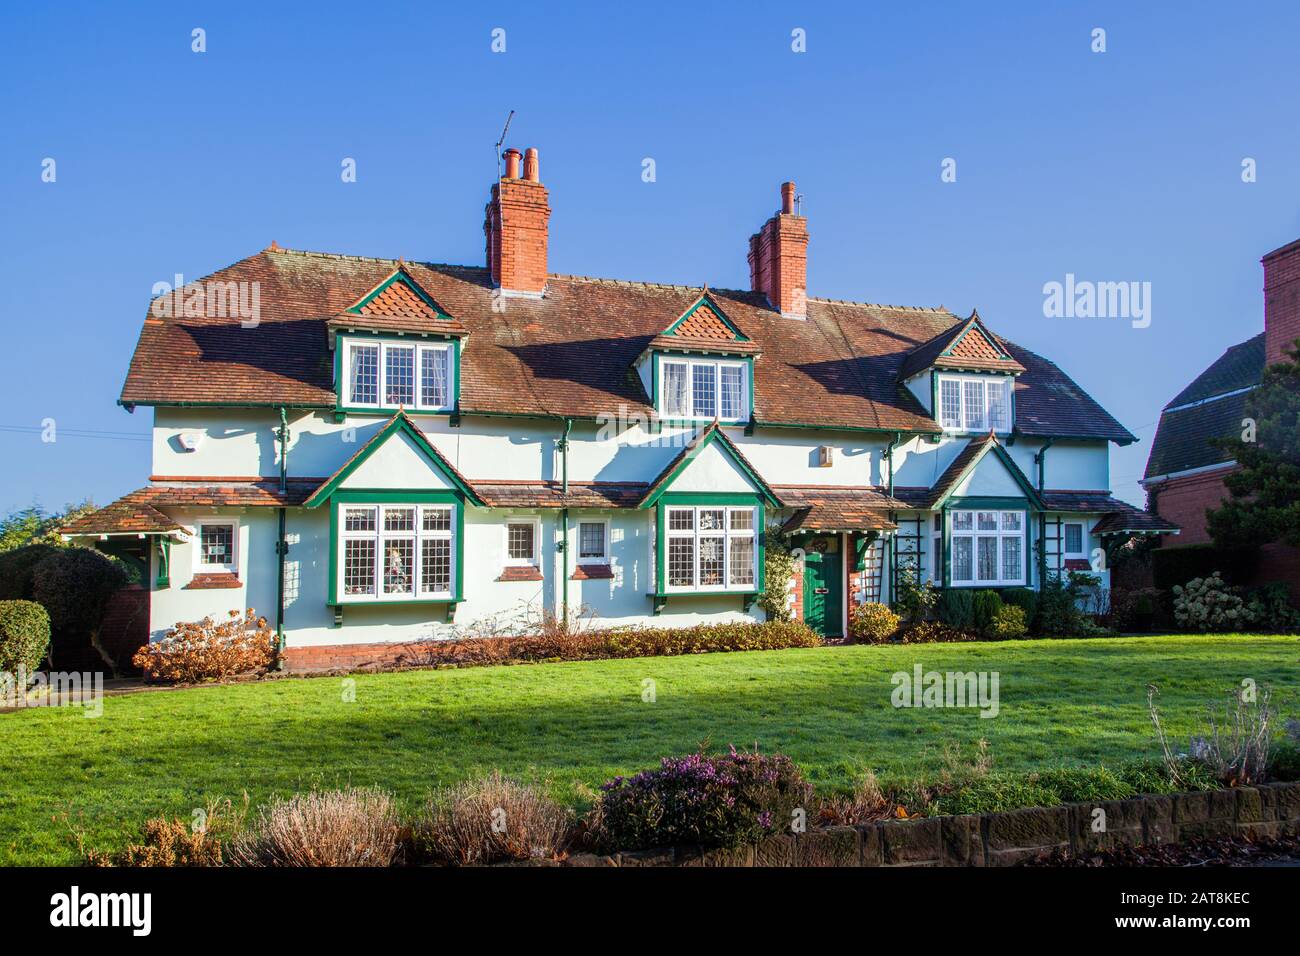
573,725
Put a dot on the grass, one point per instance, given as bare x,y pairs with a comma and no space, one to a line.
571,726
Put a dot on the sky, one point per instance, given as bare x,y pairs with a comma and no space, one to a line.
1117,166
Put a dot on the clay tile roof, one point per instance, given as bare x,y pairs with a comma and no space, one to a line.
837,509
570,353
138,512
968,345
550,494
1130,520
131,514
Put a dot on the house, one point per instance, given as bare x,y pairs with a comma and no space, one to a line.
1185,471
391,450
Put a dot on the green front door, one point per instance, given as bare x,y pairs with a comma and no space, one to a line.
823,583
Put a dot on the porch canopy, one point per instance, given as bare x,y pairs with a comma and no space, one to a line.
835,510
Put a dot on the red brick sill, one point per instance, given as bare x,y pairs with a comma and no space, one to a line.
592,572
520,574
208,582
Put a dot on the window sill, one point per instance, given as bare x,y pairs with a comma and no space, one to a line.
210,582
520,574
593,572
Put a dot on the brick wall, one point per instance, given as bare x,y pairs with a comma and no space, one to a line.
1004,839
350,657
1281,301
1184,502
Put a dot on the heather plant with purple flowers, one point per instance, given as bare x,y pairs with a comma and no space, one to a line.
701,800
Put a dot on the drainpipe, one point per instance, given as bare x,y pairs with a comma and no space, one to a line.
1040,459
281,544
564,519
889,456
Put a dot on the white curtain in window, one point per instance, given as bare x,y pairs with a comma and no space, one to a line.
674,384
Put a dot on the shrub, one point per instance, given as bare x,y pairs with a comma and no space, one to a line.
1235,752
1137,609
489,821
701,800
985,606
1269,608
1056,613
933,632
74,586
205,650
872,623
24,635
352,827
957,608
16,569
177,843
1207,604
1009,623
914,601
1174,566
775,599
1024,598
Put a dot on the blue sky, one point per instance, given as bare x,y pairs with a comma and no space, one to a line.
1115,166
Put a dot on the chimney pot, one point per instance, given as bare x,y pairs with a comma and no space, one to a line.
512,163
787,198
531,172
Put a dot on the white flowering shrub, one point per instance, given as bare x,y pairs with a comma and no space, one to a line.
1208,604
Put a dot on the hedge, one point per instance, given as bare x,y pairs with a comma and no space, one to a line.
1175,566
24,635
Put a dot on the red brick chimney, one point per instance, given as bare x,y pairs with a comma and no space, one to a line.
1281,301
515,223
778,259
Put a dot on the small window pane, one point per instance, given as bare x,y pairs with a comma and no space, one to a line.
519,541
434,378
364,374
217,544
399,519
435,565
591,539
399,371
973,394
987,521
1011,520
681,519
359,566
711,519
988,559
950,403
437,519
681,562
961,559
733,391
711,561
999,414
742,560
359,519
1011,559
399,557
1074,539
674,384
962,520
742,519
704,391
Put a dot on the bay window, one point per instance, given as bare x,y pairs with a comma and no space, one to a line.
988,547
975,403
395,552
710,548
383,374
704,389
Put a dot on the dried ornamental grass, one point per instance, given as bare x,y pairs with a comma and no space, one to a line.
492,820
350,827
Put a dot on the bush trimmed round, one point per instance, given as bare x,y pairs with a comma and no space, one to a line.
24,635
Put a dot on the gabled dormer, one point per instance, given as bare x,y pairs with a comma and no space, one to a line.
395,347
700,368
965,378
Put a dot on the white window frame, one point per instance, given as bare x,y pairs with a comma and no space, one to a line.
603,558
417,535
199,566
716,365
1083,539
533,562
1007,385
420,347
974,534
727,534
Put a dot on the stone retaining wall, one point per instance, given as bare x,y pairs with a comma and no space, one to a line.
1004,839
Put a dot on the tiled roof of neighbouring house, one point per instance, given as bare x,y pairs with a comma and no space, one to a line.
1132,519
137,512
571,352
1212,406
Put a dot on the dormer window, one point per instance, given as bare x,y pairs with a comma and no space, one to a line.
975,403
704,389
416,375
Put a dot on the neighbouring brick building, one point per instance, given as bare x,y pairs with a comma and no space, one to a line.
1185,472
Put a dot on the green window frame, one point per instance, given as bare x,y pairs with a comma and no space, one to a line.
726,503
420,345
